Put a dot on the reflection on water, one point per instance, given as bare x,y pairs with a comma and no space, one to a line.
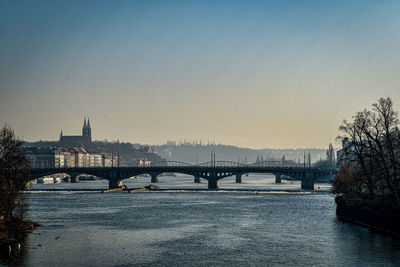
167,229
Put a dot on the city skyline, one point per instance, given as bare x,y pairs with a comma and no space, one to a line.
260,75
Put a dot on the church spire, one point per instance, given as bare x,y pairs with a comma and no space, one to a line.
84,128
89,131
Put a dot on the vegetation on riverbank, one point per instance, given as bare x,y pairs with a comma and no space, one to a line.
369,174
15,171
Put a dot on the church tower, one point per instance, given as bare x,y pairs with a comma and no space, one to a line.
78,140
84,128
89,131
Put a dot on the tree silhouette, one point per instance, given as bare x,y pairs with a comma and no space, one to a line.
369,174
14,172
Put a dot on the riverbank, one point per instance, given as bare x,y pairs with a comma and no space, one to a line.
375,220
23,229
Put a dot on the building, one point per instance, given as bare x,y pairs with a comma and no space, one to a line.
68,158
110,160
95,158
45,157
77,140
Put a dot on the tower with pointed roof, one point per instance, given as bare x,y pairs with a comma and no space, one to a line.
89,131
84,128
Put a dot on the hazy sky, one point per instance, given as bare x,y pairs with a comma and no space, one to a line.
257,74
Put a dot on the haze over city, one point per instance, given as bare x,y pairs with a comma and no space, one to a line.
276,74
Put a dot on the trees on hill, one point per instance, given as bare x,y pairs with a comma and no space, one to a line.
370,159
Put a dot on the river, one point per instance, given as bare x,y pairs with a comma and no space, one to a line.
256,223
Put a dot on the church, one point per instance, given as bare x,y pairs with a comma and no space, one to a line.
78,140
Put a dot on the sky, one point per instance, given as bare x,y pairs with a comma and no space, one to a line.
259,74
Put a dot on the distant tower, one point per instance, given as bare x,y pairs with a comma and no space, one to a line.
61,134
89,131
84,128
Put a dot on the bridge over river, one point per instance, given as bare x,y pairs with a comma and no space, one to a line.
211,171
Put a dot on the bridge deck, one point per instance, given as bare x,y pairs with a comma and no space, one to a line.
211,171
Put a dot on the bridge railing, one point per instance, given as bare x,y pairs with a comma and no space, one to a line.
221,163
274,163
169,164
224,163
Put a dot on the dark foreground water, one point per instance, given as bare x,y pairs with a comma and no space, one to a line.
202,229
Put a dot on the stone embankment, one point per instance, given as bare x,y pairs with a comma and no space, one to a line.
378,221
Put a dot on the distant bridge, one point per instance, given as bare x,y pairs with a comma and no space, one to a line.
211,171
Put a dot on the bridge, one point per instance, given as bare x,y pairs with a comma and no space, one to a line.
211,171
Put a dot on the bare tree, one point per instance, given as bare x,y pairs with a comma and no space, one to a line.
14,172
373,153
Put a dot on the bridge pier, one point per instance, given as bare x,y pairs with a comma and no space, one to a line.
74,178
154,177
114,183
197,179
238,178
213,183
307,182
278,178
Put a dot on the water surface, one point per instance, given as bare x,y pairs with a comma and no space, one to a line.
199,229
